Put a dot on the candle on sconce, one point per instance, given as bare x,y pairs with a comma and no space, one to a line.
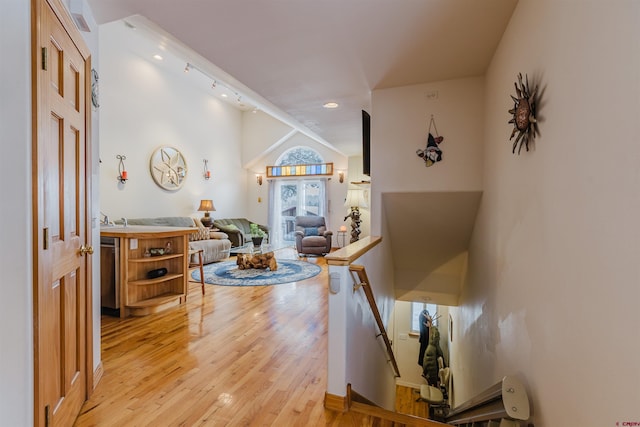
124,174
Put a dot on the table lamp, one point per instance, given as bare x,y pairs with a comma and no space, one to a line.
206,206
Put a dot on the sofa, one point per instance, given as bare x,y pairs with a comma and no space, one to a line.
238,230
215,246
312,236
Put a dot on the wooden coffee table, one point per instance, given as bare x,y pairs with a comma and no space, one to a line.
263,257
261,260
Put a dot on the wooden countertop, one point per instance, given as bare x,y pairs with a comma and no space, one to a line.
144,231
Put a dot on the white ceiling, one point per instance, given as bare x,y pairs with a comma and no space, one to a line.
299,54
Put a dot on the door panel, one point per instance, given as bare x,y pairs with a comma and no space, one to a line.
60,213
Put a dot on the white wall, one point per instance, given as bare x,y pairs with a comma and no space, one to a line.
357,355
145,105
260,132
16,304
400,126
553,270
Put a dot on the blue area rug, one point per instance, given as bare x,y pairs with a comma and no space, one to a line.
228,274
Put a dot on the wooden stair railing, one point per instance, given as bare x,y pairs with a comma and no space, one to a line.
366,286
364,407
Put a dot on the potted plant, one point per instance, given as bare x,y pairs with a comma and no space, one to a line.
257,234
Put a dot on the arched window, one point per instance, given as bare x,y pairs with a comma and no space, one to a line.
299,156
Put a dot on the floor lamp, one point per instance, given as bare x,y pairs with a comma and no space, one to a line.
355,200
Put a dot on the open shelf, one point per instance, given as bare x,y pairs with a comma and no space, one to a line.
140,295
155,281
156,258
157,300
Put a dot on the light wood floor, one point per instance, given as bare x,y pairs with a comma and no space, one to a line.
237,356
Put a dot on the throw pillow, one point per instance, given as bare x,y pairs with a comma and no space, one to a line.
218,235
203,233
311,231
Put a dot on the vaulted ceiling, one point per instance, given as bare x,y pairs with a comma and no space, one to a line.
298,55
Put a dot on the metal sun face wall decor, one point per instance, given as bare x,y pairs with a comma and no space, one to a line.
523,114
432,152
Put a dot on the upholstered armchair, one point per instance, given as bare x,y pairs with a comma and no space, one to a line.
312,236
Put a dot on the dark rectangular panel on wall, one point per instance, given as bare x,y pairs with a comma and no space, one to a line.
366,143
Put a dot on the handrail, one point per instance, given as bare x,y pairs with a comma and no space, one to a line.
365,284
353,251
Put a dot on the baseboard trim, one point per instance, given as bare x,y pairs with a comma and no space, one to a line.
97,375
335,403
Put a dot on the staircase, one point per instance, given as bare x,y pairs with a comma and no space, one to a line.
358,411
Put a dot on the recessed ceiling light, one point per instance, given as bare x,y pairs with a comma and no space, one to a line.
224,95
158,57
331,105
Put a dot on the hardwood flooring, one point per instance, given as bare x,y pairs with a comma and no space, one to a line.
237,356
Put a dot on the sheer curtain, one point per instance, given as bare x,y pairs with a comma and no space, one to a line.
273,213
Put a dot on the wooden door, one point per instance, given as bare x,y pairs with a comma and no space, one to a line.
61,280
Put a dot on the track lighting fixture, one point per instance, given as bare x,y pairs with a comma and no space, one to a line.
225,90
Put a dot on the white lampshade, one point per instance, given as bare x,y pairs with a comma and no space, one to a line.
355,199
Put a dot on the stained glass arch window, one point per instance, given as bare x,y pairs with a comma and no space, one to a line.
299,161
299,156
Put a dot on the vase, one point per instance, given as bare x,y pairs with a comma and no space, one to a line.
257,241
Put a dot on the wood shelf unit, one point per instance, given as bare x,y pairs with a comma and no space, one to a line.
141,295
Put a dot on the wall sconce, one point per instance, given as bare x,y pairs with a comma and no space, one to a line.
122,172
259,178
341,176
206,173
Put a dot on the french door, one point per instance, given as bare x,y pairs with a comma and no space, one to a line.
291,198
